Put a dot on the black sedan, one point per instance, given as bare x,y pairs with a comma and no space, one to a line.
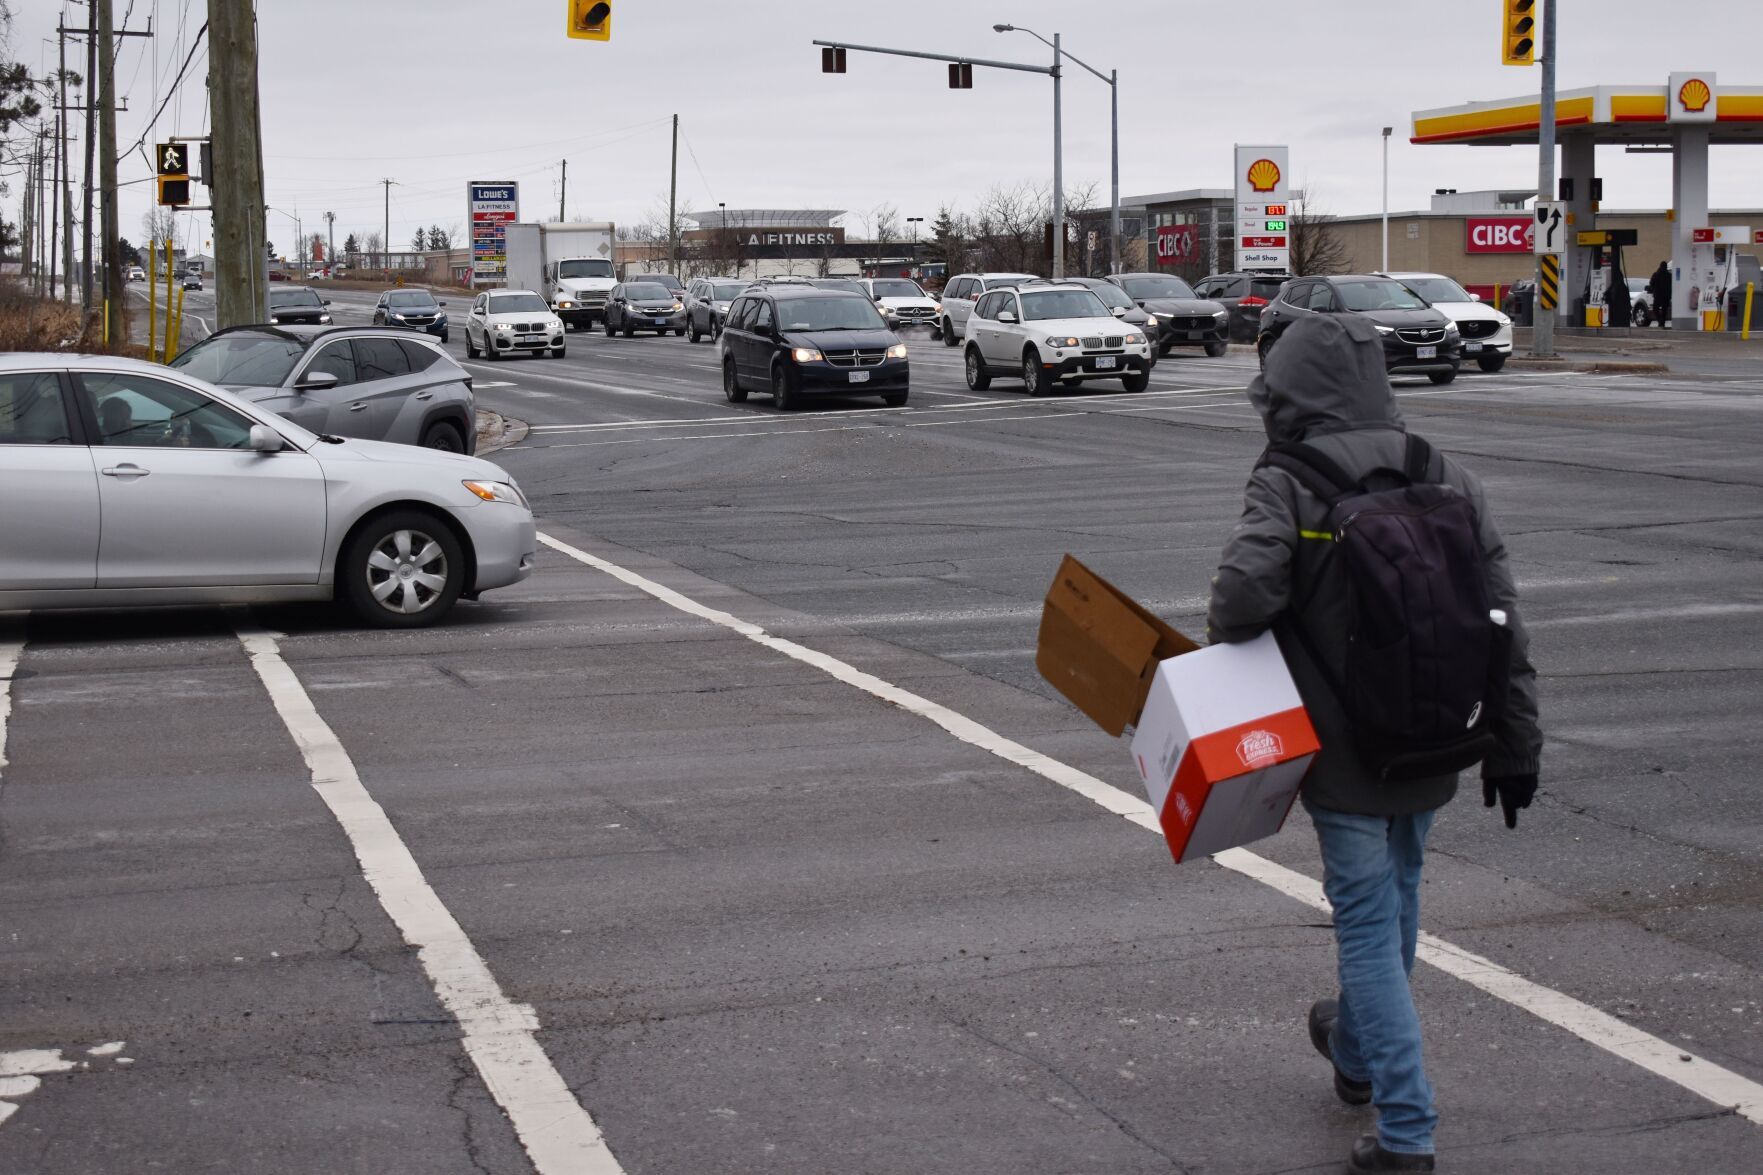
296,305
1417,339
795,341
1184,319
635,306
414,309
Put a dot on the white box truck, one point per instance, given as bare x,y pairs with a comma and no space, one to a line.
569,265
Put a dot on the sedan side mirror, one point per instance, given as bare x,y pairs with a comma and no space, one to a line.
316,381
264,439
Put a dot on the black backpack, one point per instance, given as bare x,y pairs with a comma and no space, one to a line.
1427,665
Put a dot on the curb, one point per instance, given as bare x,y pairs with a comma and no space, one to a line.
495,431
1591,366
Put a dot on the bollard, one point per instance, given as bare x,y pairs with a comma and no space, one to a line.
1745,330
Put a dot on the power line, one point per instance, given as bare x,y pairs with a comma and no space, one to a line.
177,81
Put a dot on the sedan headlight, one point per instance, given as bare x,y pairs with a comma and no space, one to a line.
897,351
1066,342
806,355
497,491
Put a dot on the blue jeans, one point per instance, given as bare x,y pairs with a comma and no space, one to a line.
1371,873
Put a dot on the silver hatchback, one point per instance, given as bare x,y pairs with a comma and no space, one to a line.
374,383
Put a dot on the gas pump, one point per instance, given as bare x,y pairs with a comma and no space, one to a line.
1606,274
1713,271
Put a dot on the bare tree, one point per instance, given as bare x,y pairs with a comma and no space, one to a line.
159,224
1316,247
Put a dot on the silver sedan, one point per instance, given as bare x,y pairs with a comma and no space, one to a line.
131,484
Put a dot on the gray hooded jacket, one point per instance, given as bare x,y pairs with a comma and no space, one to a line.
1325,385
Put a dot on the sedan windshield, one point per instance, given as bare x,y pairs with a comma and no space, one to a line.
518,304
1037,307
1378,295
1437,289
648,292
411,300
250,360
727,291
835,312
299,297
585,267
897,287
1158,287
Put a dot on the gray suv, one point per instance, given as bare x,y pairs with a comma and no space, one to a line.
377,384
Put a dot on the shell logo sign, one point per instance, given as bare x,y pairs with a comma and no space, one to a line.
1692,97
1263,175
1263,228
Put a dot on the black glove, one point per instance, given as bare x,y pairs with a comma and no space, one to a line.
1514,791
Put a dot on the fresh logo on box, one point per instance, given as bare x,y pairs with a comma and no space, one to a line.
1260,747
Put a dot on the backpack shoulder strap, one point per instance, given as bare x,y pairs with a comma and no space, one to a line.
1418,460
1315,470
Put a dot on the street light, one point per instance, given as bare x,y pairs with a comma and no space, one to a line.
915,221
1386,198
1112,78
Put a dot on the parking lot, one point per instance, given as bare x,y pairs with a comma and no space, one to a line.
753,796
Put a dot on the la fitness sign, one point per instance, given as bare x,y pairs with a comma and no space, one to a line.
1499,234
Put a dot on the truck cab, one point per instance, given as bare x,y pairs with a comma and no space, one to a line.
577,287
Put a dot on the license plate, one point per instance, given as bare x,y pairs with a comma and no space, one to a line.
529,338
1196,334
661,322
1472,348
859,377
1426,352
1105,363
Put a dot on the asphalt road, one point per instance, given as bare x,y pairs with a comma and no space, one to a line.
768,921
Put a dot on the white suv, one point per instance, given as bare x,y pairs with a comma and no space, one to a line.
962,293
1487,333
1052,332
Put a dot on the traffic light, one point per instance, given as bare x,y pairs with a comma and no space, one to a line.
960,75
832,60
1518,33
174,190
590,20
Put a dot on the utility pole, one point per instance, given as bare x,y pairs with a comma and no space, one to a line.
386,240
330,242
240,257
1542,331
672,215
60,152
1058,171
563,191
116,312
63,166
27,210
86,302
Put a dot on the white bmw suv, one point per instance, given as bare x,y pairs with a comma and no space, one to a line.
1052,332
1487,333
962,294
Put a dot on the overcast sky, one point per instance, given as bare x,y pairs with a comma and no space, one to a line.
433,93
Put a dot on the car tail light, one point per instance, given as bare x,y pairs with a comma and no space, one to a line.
1252,302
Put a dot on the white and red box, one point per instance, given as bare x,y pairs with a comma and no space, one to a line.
1222,744
1221,737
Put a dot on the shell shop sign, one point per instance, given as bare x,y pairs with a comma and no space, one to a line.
1263,199
1499,234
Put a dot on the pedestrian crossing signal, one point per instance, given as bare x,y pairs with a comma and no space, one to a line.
1518,33
174,190
590,20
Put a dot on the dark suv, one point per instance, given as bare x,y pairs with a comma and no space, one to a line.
298,304
1184,319
632,306
414,309
1417,339
798,340
1244,296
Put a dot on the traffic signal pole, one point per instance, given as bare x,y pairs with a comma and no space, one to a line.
1542,331
1051,71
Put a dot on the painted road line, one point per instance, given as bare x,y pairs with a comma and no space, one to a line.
1700,1076
9,654
559,1135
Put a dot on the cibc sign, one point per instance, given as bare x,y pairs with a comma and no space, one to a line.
1499,234
1177,243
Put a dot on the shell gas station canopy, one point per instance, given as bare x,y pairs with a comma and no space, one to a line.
1682,118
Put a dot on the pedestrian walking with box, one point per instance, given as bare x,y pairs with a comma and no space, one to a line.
1374,561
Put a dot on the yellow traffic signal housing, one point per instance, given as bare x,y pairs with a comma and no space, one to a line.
590,20
1518,32
174,190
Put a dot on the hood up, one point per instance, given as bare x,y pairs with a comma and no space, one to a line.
1326,374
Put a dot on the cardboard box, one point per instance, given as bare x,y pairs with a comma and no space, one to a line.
1222,740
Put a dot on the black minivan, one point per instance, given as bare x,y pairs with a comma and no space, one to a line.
1417,339
794,341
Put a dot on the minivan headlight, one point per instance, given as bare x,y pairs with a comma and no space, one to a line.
497,491
806,355
897,351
